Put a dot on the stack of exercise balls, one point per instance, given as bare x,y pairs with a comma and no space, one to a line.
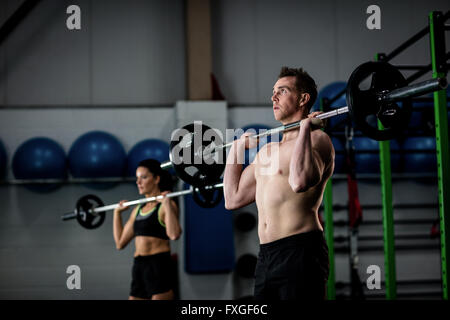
40,158
93,155
420,155
367,155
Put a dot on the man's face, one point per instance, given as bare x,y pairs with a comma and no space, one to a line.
285,99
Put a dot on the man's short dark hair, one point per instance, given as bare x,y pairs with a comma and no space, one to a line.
303,83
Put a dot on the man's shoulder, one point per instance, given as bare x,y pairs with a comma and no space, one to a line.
321,137
322,143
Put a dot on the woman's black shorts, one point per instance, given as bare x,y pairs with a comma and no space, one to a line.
151,275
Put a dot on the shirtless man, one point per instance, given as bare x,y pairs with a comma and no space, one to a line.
293,257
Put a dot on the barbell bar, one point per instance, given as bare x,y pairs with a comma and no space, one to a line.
387,87
395,95
86,213
414,90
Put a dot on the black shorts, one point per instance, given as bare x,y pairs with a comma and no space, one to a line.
292,268
151,275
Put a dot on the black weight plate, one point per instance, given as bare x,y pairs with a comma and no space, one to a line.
187,153
364,105
207,198
85,217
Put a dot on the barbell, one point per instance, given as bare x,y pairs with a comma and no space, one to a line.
90,210
386,98
375,91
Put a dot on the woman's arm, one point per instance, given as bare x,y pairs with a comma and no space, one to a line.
170,216
123,234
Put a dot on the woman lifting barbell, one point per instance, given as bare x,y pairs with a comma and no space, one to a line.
152,225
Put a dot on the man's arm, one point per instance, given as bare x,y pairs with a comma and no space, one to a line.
239,186
312,154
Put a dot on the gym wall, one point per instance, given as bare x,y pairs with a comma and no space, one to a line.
123,72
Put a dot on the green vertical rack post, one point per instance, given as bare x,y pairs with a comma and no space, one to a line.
438,63
329,233
329,236
388,217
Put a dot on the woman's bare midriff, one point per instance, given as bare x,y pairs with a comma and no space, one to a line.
146,246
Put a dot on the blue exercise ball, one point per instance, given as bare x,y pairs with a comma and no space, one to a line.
366,155
40,158
339,158
3,161
146,149
329,92
97,154
420,155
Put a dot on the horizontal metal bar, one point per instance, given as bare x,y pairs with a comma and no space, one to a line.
287,127
69,216
143,200
341,239
66,181
380,294
413,67
342,284
396,222
413,90
339,207
166,165
420,73
291,126
398,247
395,176
73,215
407,43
